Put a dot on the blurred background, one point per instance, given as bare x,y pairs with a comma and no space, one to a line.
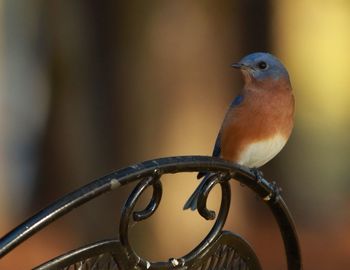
87,87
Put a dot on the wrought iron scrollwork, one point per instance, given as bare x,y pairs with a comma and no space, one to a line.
218,250
222,179
128,214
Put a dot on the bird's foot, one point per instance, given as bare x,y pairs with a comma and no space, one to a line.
258,174
275,194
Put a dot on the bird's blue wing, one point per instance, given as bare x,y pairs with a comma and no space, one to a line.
216,153
238,100
217,147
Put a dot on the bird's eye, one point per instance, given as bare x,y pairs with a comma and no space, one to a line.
262,65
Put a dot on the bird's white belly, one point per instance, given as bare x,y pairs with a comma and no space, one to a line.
257,154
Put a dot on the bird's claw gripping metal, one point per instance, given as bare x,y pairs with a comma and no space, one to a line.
258,174
274,194
275,190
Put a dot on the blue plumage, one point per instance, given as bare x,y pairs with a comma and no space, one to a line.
264,65
238,100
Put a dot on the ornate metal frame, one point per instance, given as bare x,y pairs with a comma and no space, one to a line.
218,250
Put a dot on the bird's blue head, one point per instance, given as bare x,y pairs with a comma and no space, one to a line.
261,66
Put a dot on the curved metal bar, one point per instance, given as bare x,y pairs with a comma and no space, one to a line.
105,184
280,211
129,208
207,187
288,232
154,202
106,246
203,197
220,221
166,165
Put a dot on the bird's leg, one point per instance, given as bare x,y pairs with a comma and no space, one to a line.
276,190
257,173
275,194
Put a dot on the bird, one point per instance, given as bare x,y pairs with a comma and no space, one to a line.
259,120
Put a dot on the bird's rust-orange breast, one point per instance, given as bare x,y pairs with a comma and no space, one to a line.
266,111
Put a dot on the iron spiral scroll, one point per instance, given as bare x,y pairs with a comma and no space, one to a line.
218,250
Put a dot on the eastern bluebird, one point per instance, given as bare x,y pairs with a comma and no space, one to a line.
259,120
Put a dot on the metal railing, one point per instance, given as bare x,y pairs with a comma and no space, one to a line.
218,250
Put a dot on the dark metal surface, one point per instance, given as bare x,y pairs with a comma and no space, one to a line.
228,251
219,250
104,253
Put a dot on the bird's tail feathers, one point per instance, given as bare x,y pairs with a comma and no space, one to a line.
192,201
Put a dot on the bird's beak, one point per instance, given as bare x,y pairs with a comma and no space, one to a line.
241,66
237,65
